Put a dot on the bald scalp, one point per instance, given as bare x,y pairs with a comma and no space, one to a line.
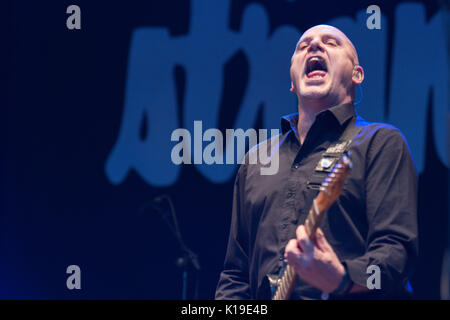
346,40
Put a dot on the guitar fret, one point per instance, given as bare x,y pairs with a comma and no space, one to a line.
311,216
307,227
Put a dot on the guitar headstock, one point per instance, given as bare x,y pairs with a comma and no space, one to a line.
332,187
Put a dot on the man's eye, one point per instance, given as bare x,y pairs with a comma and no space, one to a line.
302,46
331,42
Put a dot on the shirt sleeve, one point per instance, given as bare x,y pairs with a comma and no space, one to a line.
234,279
391,209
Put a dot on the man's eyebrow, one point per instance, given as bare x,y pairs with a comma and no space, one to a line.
334,36
306,39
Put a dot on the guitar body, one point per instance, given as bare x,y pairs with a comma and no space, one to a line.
270,284
275,279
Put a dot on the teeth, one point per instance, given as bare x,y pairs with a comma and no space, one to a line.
315,59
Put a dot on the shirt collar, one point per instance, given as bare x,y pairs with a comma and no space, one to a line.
341,113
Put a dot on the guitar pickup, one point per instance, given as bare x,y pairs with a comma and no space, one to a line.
326,164
314,185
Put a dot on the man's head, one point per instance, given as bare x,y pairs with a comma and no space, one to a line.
324,67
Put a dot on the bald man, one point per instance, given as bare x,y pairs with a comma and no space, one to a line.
366,246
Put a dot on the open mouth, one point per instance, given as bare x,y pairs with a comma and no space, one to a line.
316,67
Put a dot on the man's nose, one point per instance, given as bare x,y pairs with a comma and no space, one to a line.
315,45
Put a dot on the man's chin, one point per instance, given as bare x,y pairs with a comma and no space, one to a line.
314,93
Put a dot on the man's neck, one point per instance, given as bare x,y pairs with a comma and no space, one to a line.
305,120
307,112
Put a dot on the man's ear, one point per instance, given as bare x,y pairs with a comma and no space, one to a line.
358,75
292,87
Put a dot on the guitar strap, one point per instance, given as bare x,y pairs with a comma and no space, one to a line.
332,155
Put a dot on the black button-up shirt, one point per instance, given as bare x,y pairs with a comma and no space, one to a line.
374,221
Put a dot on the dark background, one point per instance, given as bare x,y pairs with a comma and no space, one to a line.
61,114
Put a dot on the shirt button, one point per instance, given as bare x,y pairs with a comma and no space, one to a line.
284,226
296,166
290,194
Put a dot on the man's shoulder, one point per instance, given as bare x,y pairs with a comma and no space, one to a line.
382,141
260,152
379,131
268,145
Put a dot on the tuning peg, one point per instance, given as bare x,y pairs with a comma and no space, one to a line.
339,166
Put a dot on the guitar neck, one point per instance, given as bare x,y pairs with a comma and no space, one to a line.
315,215
330,190
289,278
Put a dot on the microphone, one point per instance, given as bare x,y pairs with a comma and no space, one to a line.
163,207
155,206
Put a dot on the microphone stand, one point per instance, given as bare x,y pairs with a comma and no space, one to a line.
188,257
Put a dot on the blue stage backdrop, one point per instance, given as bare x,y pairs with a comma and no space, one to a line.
88,115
